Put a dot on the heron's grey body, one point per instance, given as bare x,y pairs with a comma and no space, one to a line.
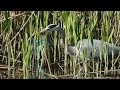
97,45
97,48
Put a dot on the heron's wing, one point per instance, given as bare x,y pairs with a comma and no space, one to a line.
84,47
105,49
113,49
96,49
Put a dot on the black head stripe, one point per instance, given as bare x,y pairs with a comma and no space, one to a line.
52,26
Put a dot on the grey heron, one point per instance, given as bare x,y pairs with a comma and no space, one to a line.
85,43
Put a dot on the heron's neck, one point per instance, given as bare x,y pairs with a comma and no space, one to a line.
62,37
70,49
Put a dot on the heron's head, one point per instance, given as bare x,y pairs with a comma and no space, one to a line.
50,28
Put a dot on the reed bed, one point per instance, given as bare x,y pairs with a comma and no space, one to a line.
17,54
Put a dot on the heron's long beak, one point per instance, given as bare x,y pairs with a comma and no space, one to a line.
43,32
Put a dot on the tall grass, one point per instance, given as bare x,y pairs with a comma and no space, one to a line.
21,61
